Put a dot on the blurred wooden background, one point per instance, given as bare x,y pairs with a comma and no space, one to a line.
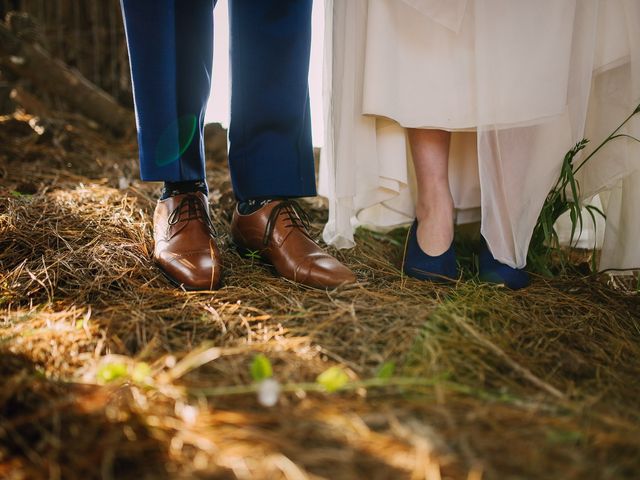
87,35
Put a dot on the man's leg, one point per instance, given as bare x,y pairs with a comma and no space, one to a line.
271,154
170,48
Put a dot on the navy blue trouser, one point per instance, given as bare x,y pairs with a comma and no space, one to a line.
171,47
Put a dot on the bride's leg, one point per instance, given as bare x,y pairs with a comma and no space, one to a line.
434,207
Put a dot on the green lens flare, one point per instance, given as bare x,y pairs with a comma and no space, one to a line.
175,140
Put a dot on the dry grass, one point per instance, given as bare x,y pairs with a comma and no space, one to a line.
537,384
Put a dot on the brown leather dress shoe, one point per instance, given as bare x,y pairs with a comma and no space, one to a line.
278,233
184,248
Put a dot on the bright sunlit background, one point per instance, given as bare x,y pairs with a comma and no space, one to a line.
218,108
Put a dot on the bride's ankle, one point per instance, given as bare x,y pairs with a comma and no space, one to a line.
437,207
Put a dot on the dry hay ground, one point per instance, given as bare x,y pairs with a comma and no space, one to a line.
538,384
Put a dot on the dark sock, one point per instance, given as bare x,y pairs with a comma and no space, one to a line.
250,206
171,189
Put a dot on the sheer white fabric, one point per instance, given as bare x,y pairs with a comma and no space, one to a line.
518,82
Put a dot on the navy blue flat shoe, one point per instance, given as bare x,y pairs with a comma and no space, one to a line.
417,264
493,271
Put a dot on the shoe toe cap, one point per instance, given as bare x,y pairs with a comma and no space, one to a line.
194,270
325,272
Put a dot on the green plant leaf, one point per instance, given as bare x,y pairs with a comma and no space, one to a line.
261,368
386,370
141,372
593,218
333,379
564,436
624,135
591,209
18,194
547,227
574,223
575,187
253,254
597,210
111,372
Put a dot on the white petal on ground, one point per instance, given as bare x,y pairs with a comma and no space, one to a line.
268,392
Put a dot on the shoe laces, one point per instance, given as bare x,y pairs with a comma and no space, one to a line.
195,210
295,215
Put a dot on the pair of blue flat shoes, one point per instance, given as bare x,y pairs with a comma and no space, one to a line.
444,268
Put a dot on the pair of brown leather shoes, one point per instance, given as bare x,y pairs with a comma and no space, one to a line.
186,252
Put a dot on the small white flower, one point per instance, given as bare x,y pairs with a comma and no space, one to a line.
268,392
189,414
170,361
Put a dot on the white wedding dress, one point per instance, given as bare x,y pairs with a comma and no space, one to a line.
519,82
